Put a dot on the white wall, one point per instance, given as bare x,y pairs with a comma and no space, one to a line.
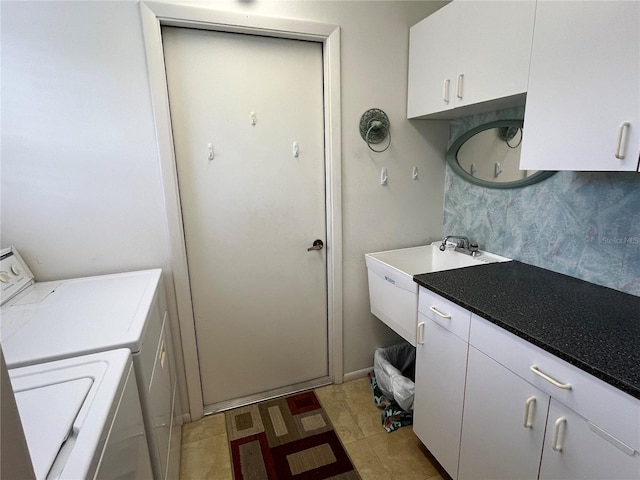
81,186
81,190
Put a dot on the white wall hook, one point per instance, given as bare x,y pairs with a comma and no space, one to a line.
296,149
383,177
253,119
498,169
210,151
473,169
414,173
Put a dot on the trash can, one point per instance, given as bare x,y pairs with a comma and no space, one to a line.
395,371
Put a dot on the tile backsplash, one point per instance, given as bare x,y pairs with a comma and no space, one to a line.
583,224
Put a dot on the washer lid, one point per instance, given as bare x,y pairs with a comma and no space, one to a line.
47,414
67,318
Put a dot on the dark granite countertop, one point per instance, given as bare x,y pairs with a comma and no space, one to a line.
595,328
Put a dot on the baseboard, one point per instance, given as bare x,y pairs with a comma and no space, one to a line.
268,395
357,374
186,417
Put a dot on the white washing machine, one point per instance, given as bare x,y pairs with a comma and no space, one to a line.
47,321
82,419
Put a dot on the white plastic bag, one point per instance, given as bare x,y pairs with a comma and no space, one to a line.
394,368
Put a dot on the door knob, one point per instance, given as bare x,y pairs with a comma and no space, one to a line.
317,245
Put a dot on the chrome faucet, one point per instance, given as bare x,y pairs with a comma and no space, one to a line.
463,245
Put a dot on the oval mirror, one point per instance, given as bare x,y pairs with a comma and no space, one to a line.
489,156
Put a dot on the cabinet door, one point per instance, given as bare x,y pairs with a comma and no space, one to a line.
432,63
441,364
494,50
503,424
577,449
583,88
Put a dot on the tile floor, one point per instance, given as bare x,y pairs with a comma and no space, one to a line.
375,453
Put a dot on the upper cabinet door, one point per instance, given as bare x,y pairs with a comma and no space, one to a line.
433,47
583,103
468,53
494,50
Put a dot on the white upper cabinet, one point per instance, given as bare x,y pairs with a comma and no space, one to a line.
432,63
468,53
583,103
494,50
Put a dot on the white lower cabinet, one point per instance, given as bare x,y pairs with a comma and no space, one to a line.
504,422
575,448
441,364
489,405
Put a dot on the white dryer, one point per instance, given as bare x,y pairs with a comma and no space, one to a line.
47,321
82,418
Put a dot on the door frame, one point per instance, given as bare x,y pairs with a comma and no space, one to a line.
156,14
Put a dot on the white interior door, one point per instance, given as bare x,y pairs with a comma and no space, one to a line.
251,205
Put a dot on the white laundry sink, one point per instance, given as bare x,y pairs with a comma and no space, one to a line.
393,295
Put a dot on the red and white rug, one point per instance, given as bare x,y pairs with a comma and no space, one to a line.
286,438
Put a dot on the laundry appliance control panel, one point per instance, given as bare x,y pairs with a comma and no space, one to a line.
15,276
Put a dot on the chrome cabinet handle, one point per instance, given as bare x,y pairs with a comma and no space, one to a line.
528,412
439,313
317,245
558,434
420,334
460,85
565,386
621,145
445,90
